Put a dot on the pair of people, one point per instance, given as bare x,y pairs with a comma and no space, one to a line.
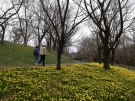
42,53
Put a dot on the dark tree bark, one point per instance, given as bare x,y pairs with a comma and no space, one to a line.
99,54
3,33
64,26
109,17
112,57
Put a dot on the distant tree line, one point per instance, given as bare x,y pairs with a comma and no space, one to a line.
124,53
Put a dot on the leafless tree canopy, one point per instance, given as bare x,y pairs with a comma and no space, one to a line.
64,22
55,22
7,12
111,19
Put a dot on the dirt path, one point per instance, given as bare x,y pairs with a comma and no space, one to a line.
75,62
27,66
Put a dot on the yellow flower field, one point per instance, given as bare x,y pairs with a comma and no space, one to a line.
78,82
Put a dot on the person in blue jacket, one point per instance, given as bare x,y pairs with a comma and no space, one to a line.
36,55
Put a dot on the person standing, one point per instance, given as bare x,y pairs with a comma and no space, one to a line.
36,55
42,54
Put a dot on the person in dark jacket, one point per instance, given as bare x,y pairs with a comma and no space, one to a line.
36,55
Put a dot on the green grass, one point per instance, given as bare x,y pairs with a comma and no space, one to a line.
78,82
12,54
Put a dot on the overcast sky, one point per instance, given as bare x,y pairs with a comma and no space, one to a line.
83,32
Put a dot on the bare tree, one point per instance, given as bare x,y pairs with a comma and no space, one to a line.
7,12
111,18
25,17
16,35
87,49
124,50
65,25
41,26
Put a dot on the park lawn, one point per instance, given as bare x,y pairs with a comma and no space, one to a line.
77,82
13,54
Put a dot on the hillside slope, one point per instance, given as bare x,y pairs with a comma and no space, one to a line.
13,54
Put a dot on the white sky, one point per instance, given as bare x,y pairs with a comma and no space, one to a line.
83,32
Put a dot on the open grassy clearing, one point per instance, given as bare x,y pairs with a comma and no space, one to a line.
78,82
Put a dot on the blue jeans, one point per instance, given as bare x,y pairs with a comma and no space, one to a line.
36,60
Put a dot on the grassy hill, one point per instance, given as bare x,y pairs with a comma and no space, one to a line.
13,54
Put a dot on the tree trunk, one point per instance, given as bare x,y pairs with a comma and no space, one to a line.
2,38
54,46
3,34
99,55
39,41
25,41
50,44
106,54
58,61
59,52
106,60
112,57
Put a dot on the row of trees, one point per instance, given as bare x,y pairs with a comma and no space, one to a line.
123,54
57,21
6,14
